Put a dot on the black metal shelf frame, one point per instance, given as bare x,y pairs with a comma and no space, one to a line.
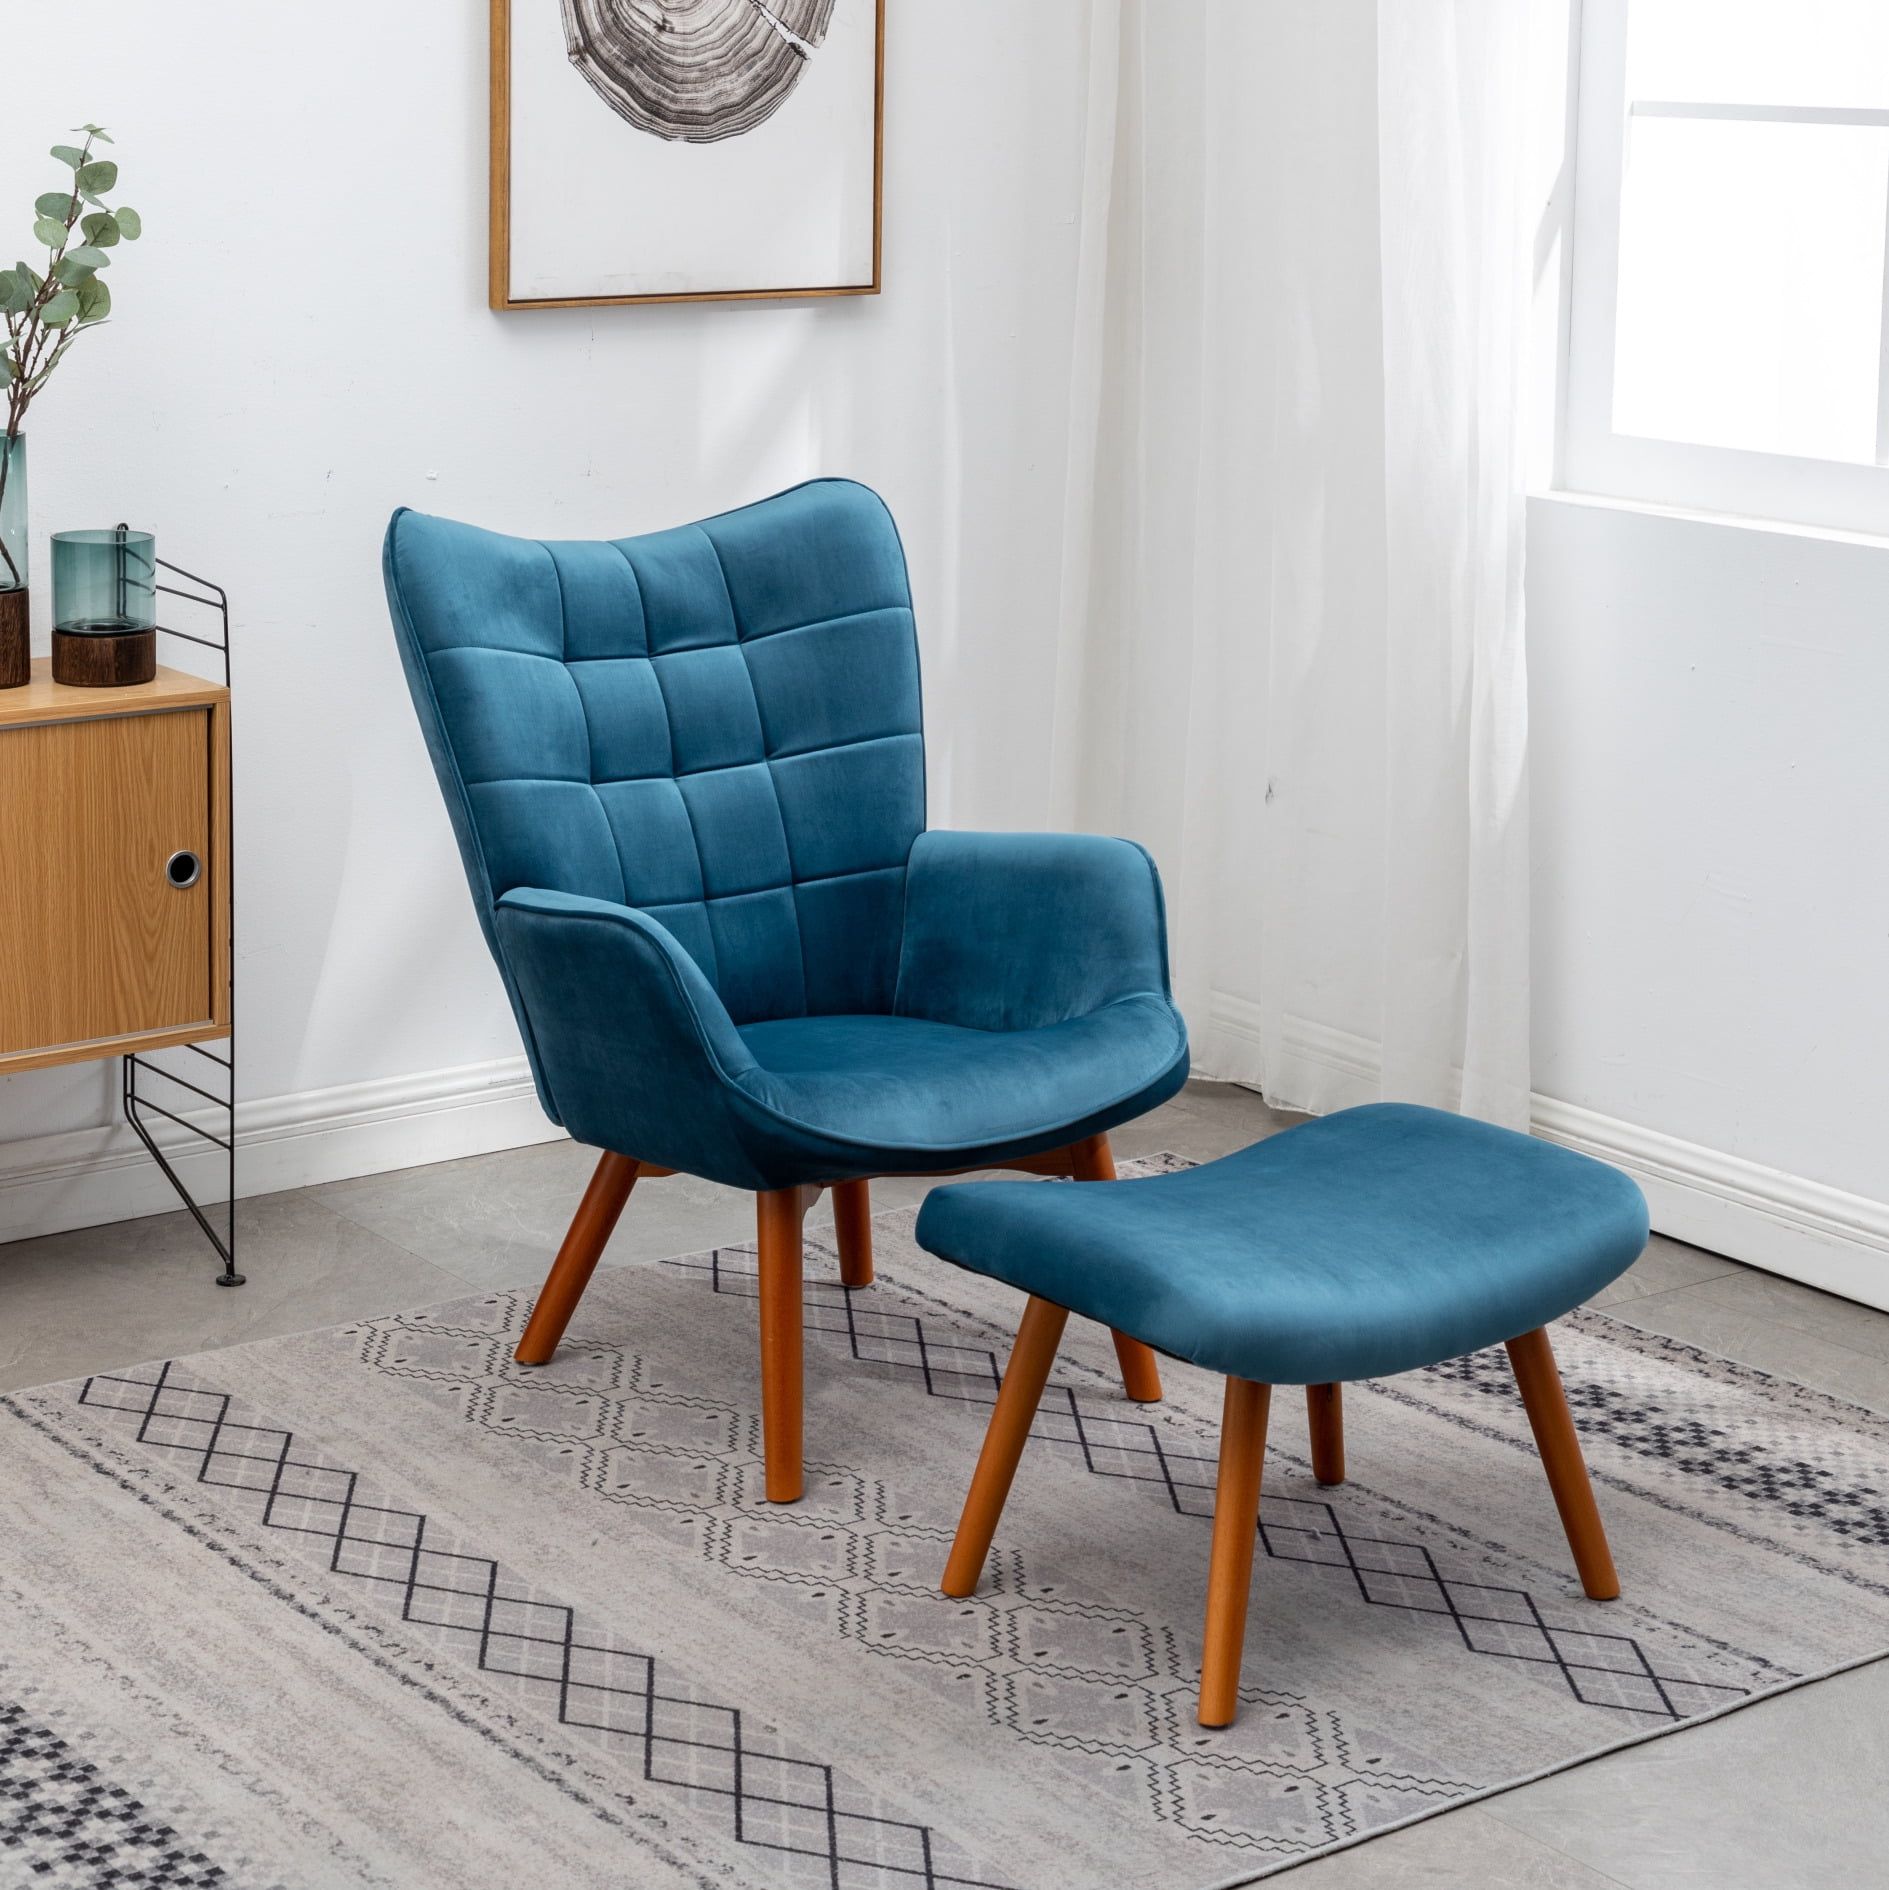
138,1071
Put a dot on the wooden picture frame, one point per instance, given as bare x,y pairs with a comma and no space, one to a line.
500,250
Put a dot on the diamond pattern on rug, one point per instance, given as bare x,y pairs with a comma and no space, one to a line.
824,1829
1692,1444
66,1826
1079,1677
1599,1668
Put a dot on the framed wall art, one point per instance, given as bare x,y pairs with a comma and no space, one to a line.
685,150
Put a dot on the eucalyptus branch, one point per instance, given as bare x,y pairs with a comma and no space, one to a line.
46,313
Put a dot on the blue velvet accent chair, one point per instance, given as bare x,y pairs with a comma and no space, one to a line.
687,775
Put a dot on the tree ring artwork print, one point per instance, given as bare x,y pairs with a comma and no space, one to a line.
699,70
684,150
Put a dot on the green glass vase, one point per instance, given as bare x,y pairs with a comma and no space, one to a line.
15,660
13,513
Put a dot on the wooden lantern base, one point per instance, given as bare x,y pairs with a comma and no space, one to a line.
103,659
16,656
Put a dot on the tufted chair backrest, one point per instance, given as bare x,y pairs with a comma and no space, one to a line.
718,724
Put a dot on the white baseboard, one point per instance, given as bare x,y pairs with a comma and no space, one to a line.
1804,1230
85,1177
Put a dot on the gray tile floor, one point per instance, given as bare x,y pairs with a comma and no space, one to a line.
1790,1793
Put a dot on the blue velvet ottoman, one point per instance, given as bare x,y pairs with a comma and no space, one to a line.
1373,1241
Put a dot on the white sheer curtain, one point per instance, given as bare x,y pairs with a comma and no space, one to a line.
1291,640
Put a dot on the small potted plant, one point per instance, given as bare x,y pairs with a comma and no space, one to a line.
45,313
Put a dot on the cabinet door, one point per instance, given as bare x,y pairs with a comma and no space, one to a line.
96,942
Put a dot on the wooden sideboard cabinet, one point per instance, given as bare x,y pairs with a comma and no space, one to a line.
114,868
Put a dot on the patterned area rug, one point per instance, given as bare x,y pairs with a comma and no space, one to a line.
375,1606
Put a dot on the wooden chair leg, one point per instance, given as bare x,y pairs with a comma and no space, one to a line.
1017,1398
779,1214
584,1241
852,1222
1560,1445
1324,1407
1230,1571
1093,1160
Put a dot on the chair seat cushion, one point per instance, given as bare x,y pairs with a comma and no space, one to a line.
886,1094
1368,1242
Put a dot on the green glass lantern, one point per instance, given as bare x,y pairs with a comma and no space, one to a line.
104,606
104,580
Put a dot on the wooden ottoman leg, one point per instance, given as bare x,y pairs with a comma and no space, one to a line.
1093,1160
1560,1446
778,1217
1017,1398
1230,1572
852,1222
1324,1407
1141,1374
584,1241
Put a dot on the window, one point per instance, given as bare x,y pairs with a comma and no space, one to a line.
1728,348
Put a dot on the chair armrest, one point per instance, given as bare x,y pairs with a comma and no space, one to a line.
637,1049
1014,931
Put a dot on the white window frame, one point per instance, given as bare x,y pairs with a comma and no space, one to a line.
1594,458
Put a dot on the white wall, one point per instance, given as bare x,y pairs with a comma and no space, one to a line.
301,343
1712,874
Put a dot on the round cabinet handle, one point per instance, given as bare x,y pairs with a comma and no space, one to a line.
183,869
